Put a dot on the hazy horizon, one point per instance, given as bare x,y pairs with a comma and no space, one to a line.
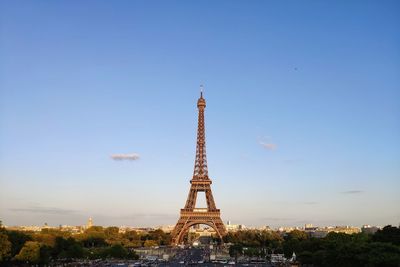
98,111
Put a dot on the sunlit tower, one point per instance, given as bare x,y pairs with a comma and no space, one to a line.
190,215
89,223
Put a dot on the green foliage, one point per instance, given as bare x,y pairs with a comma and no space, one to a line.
45,238
296,235
17,240
45,254
252,252
383,254
131,239
388,234
336,249
161,237
112,235
95,229
53,244
253,243
111,232
305,257
131,235
291,245
55,232
5,246
150,243
254,238
67,248
93,241
117,251
294,241
236,250
94,236
30,252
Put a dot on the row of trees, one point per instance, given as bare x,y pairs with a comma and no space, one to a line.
336,249
94,243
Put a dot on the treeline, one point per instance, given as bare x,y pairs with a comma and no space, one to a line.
94,243
336,249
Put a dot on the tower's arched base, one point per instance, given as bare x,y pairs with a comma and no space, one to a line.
191,218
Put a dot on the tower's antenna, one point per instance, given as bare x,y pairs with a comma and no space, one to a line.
201,90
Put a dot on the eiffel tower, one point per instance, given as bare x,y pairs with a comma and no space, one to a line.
190,215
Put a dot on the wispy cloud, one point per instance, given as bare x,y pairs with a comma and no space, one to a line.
268,146
310,203
265,142
45,210
138,219
132,156
352,192
149,216
276,219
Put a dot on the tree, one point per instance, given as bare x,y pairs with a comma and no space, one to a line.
55,232
150,243
45,238
296,234
45,254
93,237
290,246
235,250
112,235
336,249
17,240
117,251
254,238
383,255
388,234
305,257
30,252
93,241
74,251
159,236
95,230
67,248
111,232
5,247
131,235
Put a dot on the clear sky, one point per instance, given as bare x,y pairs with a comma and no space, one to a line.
302,117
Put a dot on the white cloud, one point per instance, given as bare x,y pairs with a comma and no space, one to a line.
132,156
269,146
352,192
45,210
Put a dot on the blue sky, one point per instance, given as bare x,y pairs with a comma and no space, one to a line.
302,114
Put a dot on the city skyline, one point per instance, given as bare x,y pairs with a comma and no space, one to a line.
98,111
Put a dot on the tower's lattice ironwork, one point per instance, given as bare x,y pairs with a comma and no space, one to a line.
200,182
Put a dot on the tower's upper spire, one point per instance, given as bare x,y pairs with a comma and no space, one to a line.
201,102
200,165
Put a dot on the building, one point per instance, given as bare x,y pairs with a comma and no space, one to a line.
234,227
321,232
89,223
368,229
